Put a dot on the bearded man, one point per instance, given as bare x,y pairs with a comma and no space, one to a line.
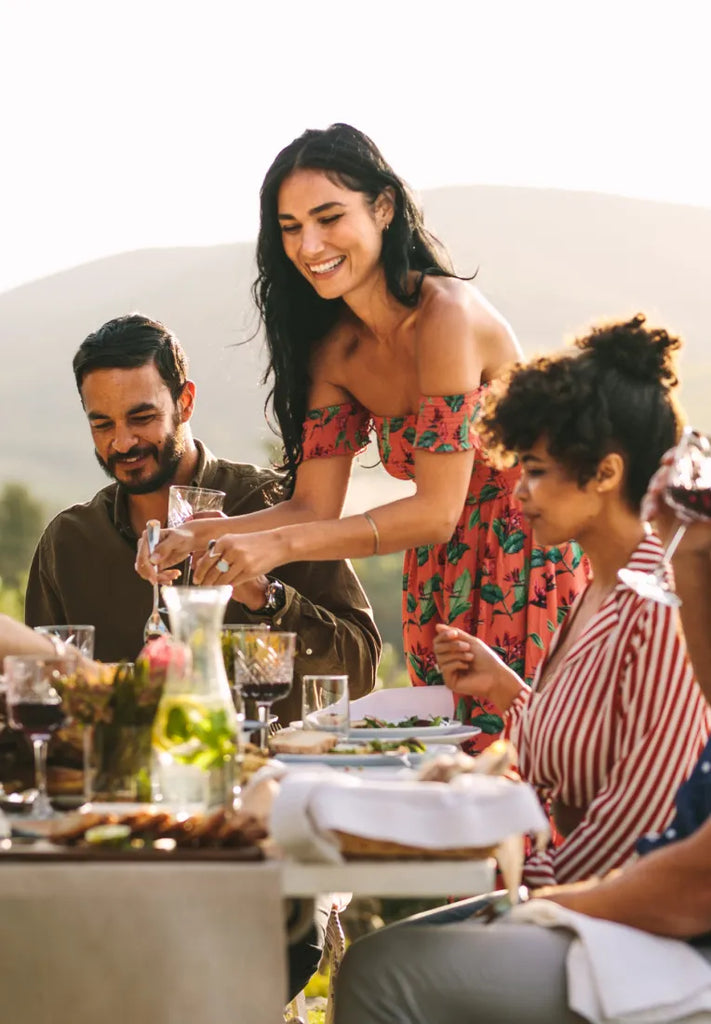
132,377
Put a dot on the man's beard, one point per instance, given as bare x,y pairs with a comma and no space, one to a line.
168,459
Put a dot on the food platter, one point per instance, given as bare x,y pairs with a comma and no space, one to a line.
452,732
392,759
19,848
136,832
407,732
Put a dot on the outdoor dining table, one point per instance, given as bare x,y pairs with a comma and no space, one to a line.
173,942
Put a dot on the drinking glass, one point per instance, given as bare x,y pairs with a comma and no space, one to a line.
267,661
688,492
184,502
34,706
325,705
234,637
79,637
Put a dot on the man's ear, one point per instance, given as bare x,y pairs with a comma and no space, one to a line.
186,401
610,473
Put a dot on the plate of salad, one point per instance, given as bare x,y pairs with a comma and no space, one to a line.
371,728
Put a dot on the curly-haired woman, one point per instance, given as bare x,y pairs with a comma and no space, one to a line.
614,720
369,329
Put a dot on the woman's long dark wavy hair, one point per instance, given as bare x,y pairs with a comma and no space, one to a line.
293,313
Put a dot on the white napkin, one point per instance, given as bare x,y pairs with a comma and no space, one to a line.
471,811
620,975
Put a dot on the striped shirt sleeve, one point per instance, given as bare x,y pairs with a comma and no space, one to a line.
657,706
514,712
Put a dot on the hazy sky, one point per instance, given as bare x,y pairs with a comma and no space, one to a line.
145,123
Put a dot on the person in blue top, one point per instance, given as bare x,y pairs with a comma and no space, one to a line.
445,966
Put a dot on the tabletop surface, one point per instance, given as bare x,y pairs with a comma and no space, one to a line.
391,878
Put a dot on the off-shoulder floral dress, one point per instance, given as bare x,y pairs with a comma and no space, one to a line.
489,578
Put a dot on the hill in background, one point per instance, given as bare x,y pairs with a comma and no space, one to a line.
551,261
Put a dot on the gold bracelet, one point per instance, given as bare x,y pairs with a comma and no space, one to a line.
376,534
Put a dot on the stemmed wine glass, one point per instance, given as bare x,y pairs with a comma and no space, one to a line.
264,665
184,502
688,492
233,637
34,706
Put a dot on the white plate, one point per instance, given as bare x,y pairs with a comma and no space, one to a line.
391,760
409,732
465,732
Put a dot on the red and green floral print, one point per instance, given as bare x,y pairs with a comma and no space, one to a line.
488,579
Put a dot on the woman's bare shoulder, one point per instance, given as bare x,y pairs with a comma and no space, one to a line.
459,303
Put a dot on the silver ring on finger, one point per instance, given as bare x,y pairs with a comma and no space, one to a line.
210,547
222,565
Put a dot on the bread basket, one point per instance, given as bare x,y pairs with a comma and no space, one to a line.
355,847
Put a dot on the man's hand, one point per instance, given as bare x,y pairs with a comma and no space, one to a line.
174,546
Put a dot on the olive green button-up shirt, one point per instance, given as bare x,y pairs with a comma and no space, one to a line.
83,572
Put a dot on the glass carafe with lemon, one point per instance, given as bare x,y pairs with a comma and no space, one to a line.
195,732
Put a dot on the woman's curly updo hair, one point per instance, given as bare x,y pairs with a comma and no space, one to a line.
613,395
293,314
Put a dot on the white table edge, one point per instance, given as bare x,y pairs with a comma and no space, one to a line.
402,878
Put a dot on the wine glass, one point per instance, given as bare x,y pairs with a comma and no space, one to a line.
688,492
184,502
266,662
233,637
34,706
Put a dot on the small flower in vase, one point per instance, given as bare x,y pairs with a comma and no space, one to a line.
117,703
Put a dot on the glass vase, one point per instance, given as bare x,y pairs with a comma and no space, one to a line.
195,734
117,762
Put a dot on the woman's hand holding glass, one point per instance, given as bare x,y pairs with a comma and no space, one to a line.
682,482
665,519
174,547
236,558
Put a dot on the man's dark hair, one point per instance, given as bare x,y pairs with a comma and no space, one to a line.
131,341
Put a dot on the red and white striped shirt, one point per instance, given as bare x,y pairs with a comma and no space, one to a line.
616,730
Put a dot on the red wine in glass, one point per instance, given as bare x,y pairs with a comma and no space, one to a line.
38,721
688,492
694,502
34,706
269,691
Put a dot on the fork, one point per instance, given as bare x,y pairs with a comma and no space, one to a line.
155,625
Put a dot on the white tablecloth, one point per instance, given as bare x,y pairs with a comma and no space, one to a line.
161,943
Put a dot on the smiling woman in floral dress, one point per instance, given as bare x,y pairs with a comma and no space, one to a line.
369,330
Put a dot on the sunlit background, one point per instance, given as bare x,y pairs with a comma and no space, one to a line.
145,123
135,136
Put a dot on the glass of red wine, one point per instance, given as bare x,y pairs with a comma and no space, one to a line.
264,671
34,706
688,492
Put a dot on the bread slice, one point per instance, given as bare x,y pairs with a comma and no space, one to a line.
302,741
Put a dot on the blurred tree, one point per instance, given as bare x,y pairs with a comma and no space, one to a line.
22,519
382,581
12,600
